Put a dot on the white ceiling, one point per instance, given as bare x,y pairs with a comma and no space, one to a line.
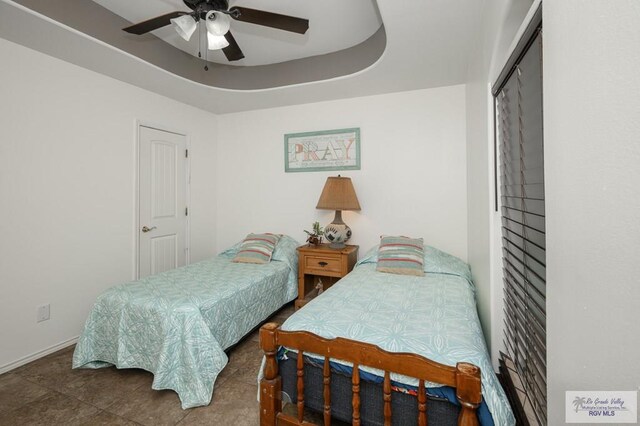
428,45
333,25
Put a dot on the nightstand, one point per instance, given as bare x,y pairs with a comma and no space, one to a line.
322,263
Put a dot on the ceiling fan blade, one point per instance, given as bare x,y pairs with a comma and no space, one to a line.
153,23
232,51
269,19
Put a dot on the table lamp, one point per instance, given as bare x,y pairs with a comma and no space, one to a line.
338,194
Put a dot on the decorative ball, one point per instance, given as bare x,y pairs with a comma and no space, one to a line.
337,233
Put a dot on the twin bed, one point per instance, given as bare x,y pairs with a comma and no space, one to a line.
433,316
178,324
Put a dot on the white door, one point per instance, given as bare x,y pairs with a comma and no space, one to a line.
162,201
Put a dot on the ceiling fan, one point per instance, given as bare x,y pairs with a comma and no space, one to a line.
217,14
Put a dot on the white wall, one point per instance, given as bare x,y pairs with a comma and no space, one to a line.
412,182
499,24
67,146
592,173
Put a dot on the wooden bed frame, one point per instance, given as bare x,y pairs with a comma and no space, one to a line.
465,377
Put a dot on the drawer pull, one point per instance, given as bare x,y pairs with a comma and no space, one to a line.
323,264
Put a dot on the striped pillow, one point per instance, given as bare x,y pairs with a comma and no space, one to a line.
257,248
401,255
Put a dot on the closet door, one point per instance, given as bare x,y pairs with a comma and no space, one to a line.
162,201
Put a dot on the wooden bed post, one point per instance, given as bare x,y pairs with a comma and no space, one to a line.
468,392
270,385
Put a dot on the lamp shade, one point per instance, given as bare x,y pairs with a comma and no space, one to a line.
185,26
215,42
338,194
217,23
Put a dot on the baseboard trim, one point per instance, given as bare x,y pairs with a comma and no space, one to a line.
36,355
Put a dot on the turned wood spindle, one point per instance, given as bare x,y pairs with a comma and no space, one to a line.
300,386
387,398
355,400
326,380
422,404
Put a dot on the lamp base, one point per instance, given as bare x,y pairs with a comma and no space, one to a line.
337,232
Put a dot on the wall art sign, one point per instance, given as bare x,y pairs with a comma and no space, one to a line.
327,150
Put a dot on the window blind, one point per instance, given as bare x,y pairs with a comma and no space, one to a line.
521,167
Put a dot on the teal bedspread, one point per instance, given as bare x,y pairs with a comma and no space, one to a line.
177,324
434,316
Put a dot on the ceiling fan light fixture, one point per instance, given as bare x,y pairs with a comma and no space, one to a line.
217,20
218,23
216,42
185,26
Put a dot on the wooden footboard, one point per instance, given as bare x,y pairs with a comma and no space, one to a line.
465,378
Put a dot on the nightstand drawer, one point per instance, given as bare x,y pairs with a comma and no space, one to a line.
322,263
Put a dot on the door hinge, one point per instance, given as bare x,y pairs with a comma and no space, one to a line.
186,153
186,211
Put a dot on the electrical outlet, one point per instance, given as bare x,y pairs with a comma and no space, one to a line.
44,312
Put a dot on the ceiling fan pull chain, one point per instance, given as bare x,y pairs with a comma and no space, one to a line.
206,60
206,53
199,41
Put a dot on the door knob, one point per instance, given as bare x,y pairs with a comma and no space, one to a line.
147,229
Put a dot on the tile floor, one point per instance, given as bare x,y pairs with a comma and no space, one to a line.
48,392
